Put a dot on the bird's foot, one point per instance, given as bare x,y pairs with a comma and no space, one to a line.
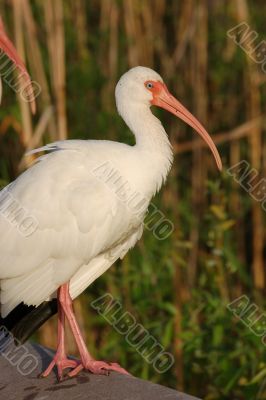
98,368
61,363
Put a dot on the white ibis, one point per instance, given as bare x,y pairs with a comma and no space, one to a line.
83,226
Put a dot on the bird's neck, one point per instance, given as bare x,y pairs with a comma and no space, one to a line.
152,145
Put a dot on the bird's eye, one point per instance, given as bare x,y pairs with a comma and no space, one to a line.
149,85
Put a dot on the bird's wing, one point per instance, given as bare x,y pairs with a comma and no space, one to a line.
88,273
74,217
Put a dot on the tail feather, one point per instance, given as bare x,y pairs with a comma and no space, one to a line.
24,320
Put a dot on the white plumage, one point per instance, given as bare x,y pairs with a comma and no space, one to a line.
85,219
83,224
81,206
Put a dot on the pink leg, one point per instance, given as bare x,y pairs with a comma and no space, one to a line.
60,359
87,361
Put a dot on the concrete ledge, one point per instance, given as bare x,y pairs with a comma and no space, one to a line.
19,380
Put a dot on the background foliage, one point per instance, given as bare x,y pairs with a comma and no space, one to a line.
177,288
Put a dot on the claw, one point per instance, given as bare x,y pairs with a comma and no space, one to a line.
99,368
61,364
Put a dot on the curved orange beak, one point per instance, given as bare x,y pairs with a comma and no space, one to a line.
162,98
9,49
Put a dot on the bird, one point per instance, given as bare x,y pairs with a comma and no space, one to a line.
79,220
10,51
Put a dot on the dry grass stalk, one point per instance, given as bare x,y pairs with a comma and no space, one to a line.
53,12
131,32
149,32
109,19
199,81
184,31
105,6
37,66
80,21
113,47
19,42
253,111
237,133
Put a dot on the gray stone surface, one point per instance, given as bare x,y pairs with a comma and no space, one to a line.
19,370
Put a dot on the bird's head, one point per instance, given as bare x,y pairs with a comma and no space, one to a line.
144,86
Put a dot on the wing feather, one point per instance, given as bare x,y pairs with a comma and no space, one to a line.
77,220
